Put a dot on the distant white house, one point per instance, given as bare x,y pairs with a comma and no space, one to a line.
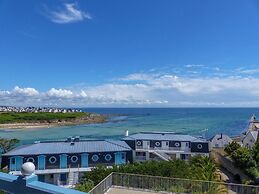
251,133
250,139
220,141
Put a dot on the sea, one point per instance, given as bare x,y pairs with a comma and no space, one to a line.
204,122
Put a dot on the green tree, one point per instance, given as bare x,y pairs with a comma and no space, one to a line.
243,158
7,144
255,152
204,168
233,146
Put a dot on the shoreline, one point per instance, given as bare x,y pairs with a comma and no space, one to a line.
96,119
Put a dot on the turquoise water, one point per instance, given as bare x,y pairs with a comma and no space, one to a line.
231,121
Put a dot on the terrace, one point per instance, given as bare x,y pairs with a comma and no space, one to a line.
28,183
144,184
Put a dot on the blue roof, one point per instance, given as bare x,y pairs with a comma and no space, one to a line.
66,147
166,136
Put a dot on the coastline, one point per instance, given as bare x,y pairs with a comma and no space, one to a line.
94,119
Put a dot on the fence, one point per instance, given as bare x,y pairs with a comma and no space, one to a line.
103,186
171,185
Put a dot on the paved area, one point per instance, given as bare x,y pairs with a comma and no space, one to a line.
127,191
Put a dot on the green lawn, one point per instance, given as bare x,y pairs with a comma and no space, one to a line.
37,117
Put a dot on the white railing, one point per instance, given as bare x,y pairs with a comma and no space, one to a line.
186,149
170,185
140,157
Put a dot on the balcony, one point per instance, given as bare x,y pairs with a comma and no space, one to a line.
133,183
178,149
140,158
28,183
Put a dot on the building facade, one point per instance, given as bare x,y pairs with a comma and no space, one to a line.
166,146
220,141
64,162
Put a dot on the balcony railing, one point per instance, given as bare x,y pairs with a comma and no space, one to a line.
103,186
186,149
140,158
170,185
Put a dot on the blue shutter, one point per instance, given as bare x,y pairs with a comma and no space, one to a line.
84,160
41,162
19,162
63,161
120,158
12,164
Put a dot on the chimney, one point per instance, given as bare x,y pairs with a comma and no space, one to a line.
77,139
69,139
127,133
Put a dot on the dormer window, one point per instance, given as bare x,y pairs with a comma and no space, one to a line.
139,143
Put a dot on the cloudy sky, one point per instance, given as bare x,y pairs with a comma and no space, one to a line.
117,53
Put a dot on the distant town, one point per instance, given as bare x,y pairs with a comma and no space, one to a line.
32,109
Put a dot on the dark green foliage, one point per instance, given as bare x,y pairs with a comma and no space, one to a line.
244,158
85,186
38,117
7,144
201,168
232,147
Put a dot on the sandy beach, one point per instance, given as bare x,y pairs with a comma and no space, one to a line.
55,123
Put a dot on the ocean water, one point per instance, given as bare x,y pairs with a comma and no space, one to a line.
230,121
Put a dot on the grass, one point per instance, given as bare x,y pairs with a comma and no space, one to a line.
26,117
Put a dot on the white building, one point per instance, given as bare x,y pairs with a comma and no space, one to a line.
250,139
251,133
166,146
220,141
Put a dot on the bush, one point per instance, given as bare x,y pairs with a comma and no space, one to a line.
233,146
199,167
86,186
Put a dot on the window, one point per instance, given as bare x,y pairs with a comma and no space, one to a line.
199,146
123,156
52,160
108,157
95,158
177,144
139,143
74,159
140,153
183,157
167,143
187,144
12,160
157,143
63,176
30,159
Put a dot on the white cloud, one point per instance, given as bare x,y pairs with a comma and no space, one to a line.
194,65
250,71
145,89
60,93
25,91
70,13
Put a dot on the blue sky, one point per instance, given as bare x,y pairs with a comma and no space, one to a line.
129,53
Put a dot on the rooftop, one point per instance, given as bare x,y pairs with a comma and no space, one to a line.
66,147
167,136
